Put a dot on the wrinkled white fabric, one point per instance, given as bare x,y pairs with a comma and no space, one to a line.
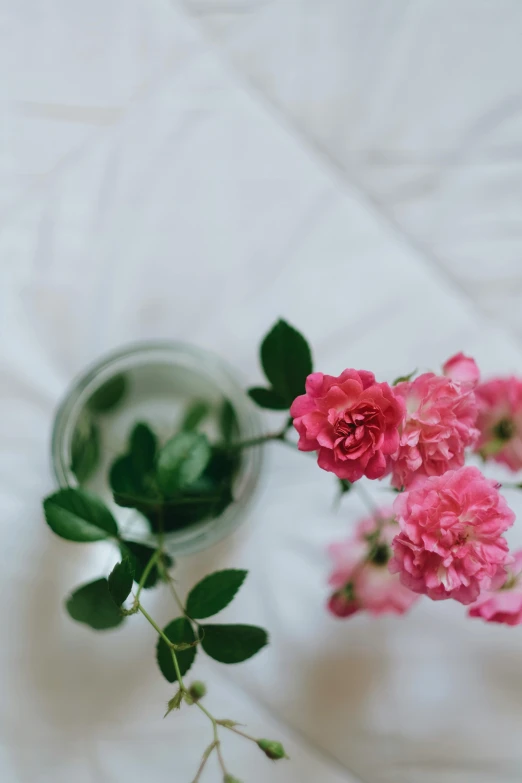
157,180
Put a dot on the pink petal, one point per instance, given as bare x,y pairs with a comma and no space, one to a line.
301,406
376,466
314,384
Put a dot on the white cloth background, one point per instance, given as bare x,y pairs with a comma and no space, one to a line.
194,170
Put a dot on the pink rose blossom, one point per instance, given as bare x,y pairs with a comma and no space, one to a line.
451,541
351,421
500,421
440,423
462,369
502,603
360,576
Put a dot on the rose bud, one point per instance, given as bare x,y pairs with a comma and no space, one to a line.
274,750
197,690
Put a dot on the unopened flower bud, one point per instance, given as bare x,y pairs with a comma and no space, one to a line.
342,604
197,690
274,750
230,779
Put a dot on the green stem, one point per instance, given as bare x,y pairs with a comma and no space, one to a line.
279,435
166,575
170,581
220,757
241,733
368,501
168,643
206,756
146,571
159,505
161,529
217,742
337,499
177,670
207,713
176,597
246,444
154,625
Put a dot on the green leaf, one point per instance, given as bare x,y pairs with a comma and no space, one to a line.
404,378
214,592
228,421
78,516
120,580
122,481
140,554
287,361
92,604
185,510
233,643
85,448
267,398
182,460
131,476
178,631
197,412
206,498
109,395
143,446
223,466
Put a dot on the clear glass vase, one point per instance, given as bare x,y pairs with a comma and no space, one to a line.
157,382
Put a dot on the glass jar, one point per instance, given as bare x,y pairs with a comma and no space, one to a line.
161,379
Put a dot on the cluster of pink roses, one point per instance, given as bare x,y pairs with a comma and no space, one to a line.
444,535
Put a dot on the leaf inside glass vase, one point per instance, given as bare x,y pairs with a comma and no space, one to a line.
206,495
182,461
85,447
195,415
108,396
185,482
228,423
131,476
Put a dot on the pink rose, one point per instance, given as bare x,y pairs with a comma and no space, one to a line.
500,421
462,369
352,422
502,603
360,575
450,539
439,425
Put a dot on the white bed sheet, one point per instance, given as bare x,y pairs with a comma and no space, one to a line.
143,158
